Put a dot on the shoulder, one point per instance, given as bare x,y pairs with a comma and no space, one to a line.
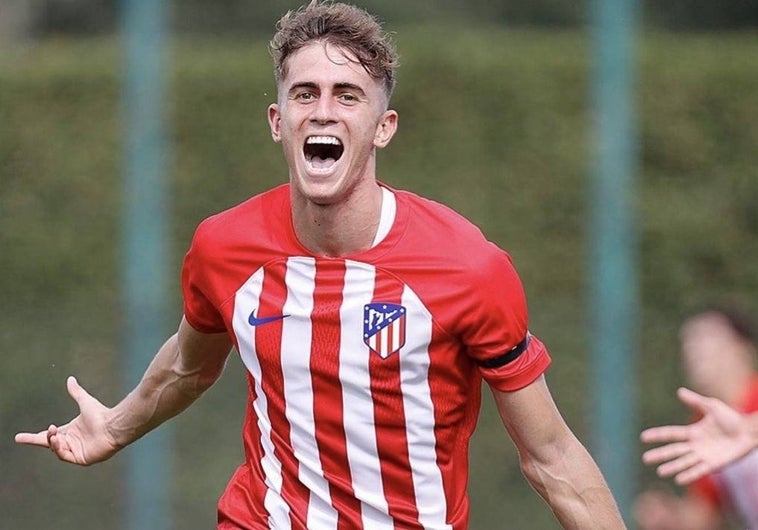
247,234
242,221
251,210
441,230
436,215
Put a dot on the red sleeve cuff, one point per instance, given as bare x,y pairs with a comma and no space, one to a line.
522,371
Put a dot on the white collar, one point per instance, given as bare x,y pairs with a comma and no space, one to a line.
387,216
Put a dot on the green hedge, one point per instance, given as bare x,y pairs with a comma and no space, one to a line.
495,124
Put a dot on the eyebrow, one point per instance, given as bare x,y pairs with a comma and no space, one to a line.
349,86
304,84
340,86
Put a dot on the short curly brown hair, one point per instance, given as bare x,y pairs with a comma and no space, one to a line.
346,26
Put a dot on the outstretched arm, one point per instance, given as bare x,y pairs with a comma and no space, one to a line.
185,366
554,462
720,437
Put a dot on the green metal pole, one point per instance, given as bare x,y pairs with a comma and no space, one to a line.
613,281
145,247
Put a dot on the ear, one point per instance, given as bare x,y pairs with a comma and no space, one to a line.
274,121
385,129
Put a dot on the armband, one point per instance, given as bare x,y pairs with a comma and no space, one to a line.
509,356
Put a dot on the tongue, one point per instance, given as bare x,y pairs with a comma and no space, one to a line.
322,163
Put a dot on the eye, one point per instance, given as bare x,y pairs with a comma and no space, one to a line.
305,96
348,98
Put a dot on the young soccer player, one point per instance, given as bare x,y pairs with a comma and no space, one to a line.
366,318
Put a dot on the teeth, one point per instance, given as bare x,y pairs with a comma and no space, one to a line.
325,140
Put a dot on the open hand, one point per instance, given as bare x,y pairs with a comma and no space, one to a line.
692,451
85,440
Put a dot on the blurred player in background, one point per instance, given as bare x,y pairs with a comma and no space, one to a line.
718,356
366,317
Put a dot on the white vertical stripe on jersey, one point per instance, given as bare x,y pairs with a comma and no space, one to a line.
246,301
386,343
419,409
360,433
396,327
298,389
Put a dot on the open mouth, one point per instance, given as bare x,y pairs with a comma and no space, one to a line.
322,152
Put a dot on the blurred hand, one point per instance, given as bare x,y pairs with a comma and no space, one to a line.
661,510
657,510
693,451
85,440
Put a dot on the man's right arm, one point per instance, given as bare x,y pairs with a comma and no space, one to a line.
185,366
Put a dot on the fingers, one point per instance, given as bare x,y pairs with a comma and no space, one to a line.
30,438
57,439
677,433
44,438
49,438
669,469
665,453
675,458
693,473
52,440
58,444
666,433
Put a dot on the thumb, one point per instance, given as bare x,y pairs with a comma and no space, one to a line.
693,400
76,391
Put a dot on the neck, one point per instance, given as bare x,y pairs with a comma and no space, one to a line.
340,229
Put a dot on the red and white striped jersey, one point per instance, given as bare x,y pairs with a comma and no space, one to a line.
364,371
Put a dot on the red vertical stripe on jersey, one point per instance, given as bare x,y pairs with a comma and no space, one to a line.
268,338
327,391
254,497
389,416
454,460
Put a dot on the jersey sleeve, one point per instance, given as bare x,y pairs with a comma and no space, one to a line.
199,310
495,326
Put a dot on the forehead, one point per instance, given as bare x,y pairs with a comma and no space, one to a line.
706,324
708,336
325,64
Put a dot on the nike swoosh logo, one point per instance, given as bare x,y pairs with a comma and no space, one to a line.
254,321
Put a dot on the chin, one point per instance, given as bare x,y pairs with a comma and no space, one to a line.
321,193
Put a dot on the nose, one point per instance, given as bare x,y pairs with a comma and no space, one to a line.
323,111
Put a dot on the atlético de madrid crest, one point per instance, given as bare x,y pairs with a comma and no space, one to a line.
384,328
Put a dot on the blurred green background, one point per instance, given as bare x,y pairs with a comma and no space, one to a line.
494,121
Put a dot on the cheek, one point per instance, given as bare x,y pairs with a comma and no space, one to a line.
289,147
703,367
